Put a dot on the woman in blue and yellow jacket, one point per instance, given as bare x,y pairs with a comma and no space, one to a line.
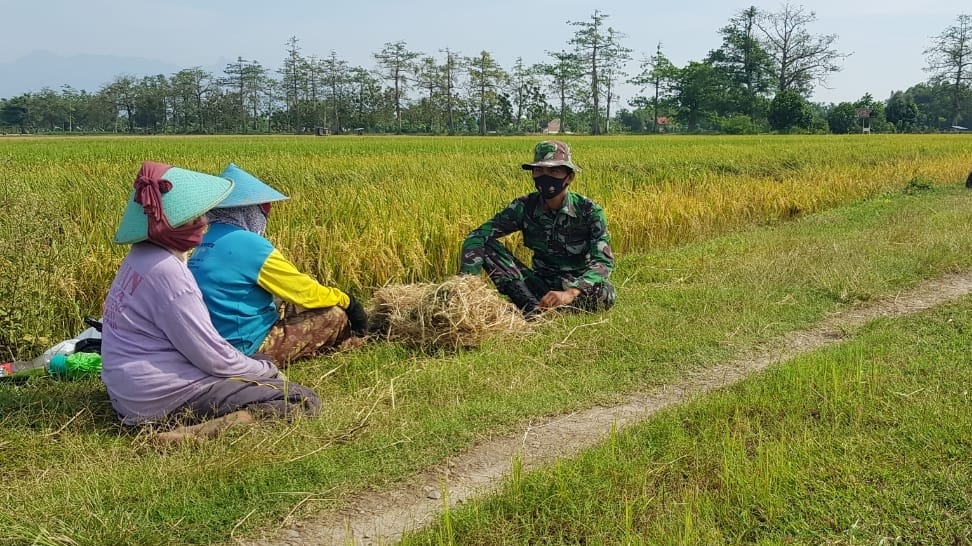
258,299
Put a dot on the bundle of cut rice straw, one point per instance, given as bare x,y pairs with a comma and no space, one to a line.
462,311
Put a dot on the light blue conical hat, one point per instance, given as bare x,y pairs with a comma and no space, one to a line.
192,194
248,189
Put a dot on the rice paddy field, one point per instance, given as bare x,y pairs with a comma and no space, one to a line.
369,211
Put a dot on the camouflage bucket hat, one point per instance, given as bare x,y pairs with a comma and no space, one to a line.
551,153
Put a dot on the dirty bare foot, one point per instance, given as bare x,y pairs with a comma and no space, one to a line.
202,431
352,343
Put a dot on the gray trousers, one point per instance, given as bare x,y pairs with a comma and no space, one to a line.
265,398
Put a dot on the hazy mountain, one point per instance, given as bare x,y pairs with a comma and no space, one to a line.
89,72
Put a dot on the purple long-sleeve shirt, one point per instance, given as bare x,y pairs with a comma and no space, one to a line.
159,348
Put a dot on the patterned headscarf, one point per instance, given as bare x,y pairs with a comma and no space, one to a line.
149,187
251,218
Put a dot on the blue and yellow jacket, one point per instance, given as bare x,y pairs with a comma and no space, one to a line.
239,273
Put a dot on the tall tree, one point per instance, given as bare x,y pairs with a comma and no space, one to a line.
152,102
527,96
315,92
428,76
294,80
485,77
563,72
950,60
902,111
49,108
659,74
520,89
745,62
799,58
123,94
16,111
336,74
72,103
616,57
234,82
395,63
189,86
96,112
591,45
699,90
367,103
271,95
451,68
245,79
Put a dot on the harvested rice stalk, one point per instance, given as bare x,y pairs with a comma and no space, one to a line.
462,311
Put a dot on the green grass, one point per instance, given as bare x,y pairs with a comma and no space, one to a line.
70,470
867,442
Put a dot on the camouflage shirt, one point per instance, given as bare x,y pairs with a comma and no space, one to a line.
572,243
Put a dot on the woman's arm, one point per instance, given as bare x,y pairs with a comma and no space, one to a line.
186,324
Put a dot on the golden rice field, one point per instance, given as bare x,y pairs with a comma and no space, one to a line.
367,211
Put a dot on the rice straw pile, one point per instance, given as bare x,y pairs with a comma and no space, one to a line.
462,311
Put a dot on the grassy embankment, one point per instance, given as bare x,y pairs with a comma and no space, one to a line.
868,442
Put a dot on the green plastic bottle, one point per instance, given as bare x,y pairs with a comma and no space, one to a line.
74,366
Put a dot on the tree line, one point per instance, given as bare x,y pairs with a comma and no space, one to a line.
758,80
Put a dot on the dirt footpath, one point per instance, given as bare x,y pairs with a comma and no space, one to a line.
381,517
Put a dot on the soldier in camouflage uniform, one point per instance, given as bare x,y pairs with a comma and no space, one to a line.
567,233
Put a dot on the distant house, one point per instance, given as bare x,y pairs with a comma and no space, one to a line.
553,126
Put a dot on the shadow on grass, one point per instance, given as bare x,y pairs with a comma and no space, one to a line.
43,403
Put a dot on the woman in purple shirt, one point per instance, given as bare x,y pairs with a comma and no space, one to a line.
162,360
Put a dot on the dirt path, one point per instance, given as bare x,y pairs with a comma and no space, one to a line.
381,517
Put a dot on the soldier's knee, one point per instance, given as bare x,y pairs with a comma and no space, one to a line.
603,296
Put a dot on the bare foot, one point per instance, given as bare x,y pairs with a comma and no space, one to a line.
204,430
352,343
171,438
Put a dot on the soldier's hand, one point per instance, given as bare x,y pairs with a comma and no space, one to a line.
559,298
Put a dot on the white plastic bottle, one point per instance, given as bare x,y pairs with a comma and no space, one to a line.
65,347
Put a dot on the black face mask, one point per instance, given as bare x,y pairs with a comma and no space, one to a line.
549,186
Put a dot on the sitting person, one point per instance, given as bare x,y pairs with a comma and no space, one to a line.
162,359
243,278
567,233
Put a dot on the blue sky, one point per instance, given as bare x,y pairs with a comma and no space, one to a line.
886,38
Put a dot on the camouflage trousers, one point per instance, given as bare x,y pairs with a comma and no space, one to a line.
303,333
525,287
